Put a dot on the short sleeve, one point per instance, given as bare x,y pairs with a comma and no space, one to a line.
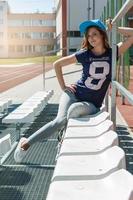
80,55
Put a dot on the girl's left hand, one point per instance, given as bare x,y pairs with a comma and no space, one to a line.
109,24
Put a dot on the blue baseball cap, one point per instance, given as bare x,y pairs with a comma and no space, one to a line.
96,22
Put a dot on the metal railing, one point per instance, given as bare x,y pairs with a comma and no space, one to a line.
116,85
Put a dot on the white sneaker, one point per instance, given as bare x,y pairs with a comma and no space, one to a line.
19,153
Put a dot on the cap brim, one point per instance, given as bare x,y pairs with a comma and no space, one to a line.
83,26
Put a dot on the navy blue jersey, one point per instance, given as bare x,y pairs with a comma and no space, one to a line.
96,76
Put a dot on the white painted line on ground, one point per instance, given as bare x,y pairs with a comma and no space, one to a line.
16,65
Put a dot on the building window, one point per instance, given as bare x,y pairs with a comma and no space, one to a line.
15,22
20,48
34,49
15,35
19,22
43,48
31,35
23,36
43,22
1,48
26,49
1,35
38,48
48,22
1,8
130,18
50,47
73,34
72,50
27,35
36,35
30,48
36,22
131,55
1,21
47,35
11,48
27,22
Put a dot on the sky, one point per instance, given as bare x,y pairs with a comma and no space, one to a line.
25,6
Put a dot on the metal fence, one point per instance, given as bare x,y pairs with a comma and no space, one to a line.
115,84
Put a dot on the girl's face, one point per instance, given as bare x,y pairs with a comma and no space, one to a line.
94,37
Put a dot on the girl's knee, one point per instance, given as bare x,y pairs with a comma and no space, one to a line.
59,120
81,109
73,111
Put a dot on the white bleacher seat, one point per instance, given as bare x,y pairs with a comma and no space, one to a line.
96,166
91,120
26,117
89,131
39,103
24,110
90,165
30,106
117,186
43,100
5,144
43,93
50,92
86,146
35,103
4,104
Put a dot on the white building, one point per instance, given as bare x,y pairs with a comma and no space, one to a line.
3,28
25,34
69,14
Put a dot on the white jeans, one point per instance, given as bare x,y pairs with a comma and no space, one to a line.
69,107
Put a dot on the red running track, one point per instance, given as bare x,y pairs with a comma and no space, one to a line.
127,109
13,76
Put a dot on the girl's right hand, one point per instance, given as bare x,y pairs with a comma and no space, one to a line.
25,145
71,88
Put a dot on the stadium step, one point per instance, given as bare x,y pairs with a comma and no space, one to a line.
85,146
82,167
116,186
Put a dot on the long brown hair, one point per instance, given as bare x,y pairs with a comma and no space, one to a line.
86,45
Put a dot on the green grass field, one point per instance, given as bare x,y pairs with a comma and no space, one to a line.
48,59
